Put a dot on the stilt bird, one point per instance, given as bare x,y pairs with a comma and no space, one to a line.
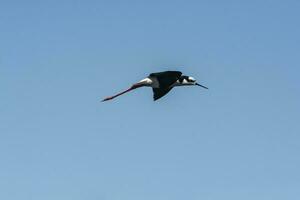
161,83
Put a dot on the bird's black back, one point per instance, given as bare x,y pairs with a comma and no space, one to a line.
167,78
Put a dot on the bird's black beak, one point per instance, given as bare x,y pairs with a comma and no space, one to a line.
201,85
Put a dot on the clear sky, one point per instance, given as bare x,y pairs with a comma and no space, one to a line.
237,140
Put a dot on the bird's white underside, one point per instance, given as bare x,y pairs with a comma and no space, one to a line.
150,82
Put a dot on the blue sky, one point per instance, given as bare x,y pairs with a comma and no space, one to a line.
238,140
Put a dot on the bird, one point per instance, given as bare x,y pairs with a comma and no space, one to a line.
161,83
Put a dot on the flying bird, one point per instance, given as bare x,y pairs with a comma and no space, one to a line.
161,83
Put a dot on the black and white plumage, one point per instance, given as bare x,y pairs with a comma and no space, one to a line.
161,83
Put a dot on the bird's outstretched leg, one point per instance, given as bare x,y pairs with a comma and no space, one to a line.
125,91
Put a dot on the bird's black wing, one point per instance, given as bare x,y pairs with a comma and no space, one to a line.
160,92
167,78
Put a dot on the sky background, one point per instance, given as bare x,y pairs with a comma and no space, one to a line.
238,140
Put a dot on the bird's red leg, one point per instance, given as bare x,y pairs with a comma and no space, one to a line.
128,90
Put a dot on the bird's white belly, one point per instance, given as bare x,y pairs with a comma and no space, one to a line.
149,82
153,82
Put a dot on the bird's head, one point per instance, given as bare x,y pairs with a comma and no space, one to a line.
188,80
